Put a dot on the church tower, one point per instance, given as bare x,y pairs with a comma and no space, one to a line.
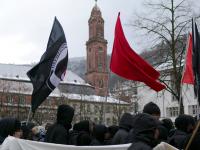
97,74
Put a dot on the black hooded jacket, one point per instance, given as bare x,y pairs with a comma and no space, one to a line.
125,126
8,126
80,135
98,135
144,126
59,132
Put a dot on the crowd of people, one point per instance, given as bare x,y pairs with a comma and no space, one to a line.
144,130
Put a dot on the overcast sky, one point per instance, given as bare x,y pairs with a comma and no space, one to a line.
25,25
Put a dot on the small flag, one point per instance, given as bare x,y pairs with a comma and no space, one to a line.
47,74
188,76
126,63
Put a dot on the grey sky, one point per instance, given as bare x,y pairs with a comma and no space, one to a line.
25,25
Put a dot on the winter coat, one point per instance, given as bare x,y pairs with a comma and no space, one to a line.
143,132
177,139
125,125
59,132
98,135
8,126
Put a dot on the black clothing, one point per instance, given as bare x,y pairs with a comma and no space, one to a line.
59,132
98,135
125,126
143,132
177,139
8,126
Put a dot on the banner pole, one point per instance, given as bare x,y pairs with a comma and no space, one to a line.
28,116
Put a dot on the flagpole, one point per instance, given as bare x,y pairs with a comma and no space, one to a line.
28,116
181,86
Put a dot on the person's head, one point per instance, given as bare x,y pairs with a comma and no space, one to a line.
26,130
83,126
152,109
126,121
185,123
168,124
39,133
146,126
65,114
111,131
99,132
10,126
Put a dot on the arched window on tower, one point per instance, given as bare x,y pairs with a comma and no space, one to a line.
99,30
100,83
100,59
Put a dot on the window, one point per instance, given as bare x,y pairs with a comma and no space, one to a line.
21,99
74,106
95,120
108,121
100,59
172,111
10,99
96,109
192,109
108,109
100,83
88,108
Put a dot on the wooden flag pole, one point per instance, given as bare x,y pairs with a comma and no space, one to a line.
28,116
193,135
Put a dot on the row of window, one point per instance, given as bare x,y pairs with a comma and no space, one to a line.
174,111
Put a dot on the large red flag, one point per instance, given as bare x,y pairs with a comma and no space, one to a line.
126,63
188,76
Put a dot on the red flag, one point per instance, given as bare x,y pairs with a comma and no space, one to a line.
126,63
188,76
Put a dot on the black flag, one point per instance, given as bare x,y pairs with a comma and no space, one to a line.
47,74
196,59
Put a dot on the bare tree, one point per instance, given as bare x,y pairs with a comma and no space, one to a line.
167,24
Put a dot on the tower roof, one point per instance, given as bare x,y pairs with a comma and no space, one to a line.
96,10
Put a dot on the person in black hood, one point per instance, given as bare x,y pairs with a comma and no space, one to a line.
125,126
184,126
152,109
80,135
9,126
145,132
59,132
99,132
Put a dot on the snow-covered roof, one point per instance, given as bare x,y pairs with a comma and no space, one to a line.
18,72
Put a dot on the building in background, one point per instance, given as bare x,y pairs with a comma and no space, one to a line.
16,90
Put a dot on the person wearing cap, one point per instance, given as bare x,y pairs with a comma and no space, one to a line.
145,132
59,132
152,109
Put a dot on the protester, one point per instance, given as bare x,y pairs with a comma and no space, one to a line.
168,124
10,126
59,132
125,126
26,130
39,133
99,132
145,133
112,130
152,109
184,125
81,133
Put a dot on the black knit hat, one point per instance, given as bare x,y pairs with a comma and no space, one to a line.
151,108
65,114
